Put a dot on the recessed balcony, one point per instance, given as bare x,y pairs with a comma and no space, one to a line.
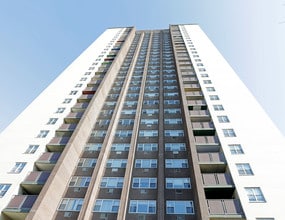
19,206
218,185
79,107
197,104
57,144
203,128
65,130
194,95
207,143
33,183
191,87
47,161
212,162
200,115
225,209
90,90
85,98
73,117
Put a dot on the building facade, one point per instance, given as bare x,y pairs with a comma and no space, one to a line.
150,124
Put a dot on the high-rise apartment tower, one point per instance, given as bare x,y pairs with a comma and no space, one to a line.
144,125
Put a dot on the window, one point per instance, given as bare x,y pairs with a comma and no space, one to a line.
179,207
78,85
264,218
130,103
120,147
229,132
98,133
116,163
87,162
171,102
204,75
254,194
172,110
150,112
218,107
112,182
143,206
176,163
214,97
147,147
174,133
244,169
66,101
69,204
93,147
42,134
150,102
175,147
151,95
103,122
126,121
171,94
236,149
144,183
3,189
73,92
52,121
83,79
146,163
79,181
19,166
210,89
60,110
207,81
31,149
223,119
173,121
149,121
123,133
178,183
107,205
148,133
128,112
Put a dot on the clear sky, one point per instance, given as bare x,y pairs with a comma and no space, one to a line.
39,39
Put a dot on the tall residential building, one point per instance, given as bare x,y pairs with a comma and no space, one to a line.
144,125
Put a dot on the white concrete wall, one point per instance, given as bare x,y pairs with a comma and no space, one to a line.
263,144
22,132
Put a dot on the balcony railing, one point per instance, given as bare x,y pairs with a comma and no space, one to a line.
19,206
225,209
57,144
207,143
34,182
47,161
212,162
65,130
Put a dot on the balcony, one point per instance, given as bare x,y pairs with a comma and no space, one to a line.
197,104
191,87
34,182
19,206
218,185
212,162
79,107
65,130
194,95
73,117
47,161
89,90
200,115
225,209
207,143
203,128
57,144
85,98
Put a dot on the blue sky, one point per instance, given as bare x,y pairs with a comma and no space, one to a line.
39,39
